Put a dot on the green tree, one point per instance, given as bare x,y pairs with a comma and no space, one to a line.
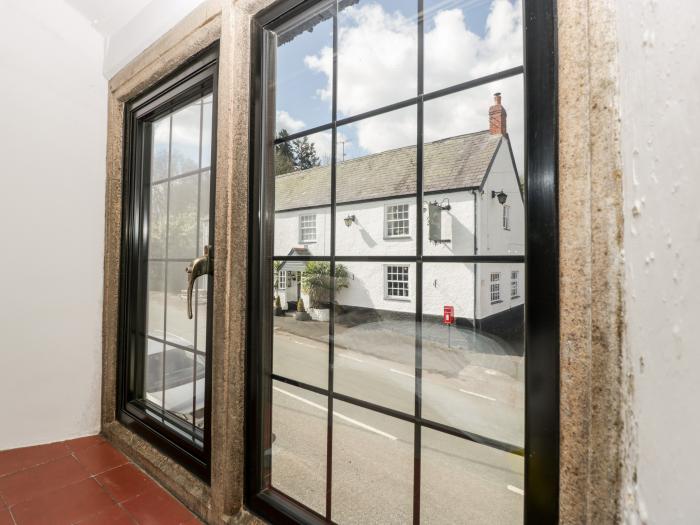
317,282
305,156
284,155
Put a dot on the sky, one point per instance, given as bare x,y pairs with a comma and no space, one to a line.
377,65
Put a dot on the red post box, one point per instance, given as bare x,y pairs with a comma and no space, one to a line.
448,315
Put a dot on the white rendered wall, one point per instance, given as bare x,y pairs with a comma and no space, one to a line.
660,114
53,102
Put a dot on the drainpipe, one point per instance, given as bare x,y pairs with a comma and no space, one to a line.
476,252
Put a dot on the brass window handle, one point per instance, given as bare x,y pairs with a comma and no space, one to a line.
203,265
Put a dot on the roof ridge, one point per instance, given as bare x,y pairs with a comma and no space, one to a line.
394,150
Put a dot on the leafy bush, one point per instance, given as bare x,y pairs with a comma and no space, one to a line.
317,282
300,305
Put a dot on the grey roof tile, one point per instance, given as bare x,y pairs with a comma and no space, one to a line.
454,163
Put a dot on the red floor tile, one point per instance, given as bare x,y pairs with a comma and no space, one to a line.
112,516
125,482
22,458
64,506
100,458
5,518
29,483
157,507
84,442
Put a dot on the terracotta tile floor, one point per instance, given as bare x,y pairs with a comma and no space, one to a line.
85,481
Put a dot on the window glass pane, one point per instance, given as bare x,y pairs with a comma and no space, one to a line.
375,333
179,328
300,335
299,425
468,39
156,299
160,154
153,372
182,218
207,109
473,158
186,126
303,190
304,65
377,170
157,220
179,382
474,370
377,54
372,467
462,482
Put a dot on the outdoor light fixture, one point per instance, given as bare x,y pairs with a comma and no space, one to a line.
502,196
349,220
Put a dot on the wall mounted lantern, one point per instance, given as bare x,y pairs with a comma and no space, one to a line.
502,196
349,220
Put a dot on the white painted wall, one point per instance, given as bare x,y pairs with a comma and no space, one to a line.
660,115
52,145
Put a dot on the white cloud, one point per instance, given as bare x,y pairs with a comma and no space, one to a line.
286,121
377,66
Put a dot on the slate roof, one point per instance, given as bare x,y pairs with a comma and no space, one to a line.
459,162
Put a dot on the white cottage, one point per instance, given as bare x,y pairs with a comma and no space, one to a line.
472,198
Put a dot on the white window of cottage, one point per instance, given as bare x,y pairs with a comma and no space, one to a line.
514,284
396,221
396,282
307,228
495,287
506,217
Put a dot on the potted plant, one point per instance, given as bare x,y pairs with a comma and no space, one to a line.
317,282
301,313
278,307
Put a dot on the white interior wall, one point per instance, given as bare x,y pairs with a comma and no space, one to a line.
659,74
52,145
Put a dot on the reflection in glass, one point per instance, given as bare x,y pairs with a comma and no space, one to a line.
303,195
153,372
468,39
179,328
462,482
376,185
377,49
207,109
182,218
186,129
299,424
160,149
179,388
375,333
473,378
304,65
372,467
155,299
157,220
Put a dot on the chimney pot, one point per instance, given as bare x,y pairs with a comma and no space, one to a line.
497,117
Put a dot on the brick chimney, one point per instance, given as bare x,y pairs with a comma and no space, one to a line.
497,116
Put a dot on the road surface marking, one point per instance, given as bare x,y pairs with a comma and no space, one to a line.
516,490
337,414
303,343
346,356
402,373
477,395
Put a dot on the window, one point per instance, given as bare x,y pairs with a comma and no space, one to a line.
506,217
396,282
165,321
396,220
282,283
391,152
495,287
307,228
514,285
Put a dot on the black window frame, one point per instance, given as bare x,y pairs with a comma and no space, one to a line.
196,78
541,451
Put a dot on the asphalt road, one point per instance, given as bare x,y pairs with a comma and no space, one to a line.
373,454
